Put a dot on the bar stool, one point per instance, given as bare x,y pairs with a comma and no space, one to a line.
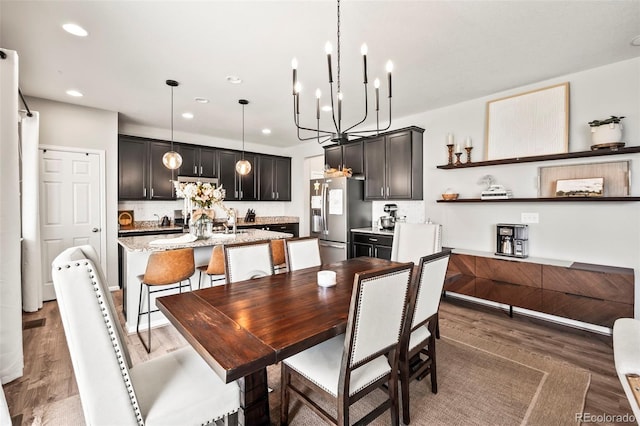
215,267
163,268
277,254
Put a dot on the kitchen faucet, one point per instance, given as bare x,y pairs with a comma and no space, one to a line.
157,221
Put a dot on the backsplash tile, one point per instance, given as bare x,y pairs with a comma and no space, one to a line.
145,210
413,210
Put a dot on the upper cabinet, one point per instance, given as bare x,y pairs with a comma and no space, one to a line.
237,187
198,161
346,156
141,173
393,165
390,162
274,178
143,176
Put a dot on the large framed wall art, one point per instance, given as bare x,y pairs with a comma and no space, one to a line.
528,124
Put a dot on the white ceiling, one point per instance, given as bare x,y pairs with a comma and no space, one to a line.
444,52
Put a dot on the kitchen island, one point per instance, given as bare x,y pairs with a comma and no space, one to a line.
136,251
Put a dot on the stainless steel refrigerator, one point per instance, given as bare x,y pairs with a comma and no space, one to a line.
337,206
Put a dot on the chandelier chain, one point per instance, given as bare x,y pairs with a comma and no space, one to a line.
338,50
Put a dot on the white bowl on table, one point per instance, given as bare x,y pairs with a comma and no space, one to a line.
326,278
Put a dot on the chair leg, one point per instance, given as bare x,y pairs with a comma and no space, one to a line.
404,390
142,287
437,326
393,397
200,281
432,357
285,379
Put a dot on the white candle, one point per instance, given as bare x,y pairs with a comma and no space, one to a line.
458,149
449,139
468,142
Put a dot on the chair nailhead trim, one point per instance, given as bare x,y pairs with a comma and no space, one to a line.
116,345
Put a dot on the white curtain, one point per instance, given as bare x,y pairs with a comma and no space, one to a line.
11,356
31,259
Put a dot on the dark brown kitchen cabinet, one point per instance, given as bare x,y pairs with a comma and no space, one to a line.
372,245
237,187
198,161
141,173
349,155
274,178
393,165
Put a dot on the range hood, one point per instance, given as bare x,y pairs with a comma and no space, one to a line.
194,179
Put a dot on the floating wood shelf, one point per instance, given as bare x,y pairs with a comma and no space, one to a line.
536,200
531,159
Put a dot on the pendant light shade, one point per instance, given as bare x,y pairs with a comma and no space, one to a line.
243,167
171,159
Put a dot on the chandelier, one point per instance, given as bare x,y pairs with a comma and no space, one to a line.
171,159
339,134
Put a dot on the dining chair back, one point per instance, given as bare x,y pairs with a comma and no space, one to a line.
347,367
244,261
215,268
302,253
166,270
418,336
176,388
411,241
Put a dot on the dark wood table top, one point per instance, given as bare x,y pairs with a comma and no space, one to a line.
245,326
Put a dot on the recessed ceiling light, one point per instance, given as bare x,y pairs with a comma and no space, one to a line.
266,131
635,41
187,115
202,100
326,108
75,29
74,93
234,79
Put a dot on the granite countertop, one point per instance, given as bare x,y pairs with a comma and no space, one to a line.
269,220
147,227
373,231
141,243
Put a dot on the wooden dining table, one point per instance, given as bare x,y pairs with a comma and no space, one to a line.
239,329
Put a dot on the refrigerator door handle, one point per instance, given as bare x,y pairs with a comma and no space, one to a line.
338,246
325,225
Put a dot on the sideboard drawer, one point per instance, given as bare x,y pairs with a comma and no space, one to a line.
613,286
509,271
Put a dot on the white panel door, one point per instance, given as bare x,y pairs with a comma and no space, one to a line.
70,210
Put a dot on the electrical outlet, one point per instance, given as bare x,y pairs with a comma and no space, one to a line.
529,217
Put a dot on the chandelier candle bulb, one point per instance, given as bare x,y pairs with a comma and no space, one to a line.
339,109
318,94
364,50
389,70
294,65
328,49
376,84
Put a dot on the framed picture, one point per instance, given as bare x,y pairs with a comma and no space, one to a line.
528,124
590,187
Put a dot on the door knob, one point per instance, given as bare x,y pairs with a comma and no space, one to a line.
95,229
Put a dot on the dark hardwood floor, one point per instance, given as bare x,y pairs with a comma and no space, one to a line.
48,375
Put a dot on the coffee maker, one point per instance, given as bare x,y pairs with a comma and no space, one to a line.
512,239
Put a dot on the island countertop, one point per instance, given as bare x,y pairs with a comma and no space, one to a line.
142,243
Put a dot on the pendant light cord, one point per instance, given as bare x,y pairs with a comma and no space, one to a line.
243,132
171,118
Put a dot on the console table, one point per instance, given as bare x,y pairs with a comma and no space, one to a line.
595,294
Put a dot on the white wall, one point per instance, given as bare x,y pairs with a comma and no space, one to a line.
602,233
67,125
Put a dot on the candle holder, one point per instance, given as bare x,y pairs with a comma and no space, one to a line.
468,149
450,149
458,162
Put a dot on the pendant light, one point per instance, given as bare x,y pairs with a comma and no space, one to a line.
243,166
171,159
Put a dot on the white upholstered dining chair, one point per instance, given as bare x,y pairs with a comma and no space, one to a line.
176,388
411,241
418,342
302,253
244,261
626,354
351,365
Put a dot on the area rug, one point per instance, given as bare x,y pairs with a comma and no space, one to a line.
479,383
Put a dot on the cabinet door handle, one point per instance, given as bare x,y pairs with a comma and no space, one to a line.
277,195
241,194
382,191
195,170
273,195
387,191
200,170
373,239
151,192
144,192
236,194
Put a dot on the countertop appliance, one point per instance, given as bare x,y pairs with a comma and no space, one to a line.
337,206
512,239
389,222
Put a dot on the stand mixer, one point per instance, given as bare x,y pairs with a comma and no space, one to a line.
389,222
